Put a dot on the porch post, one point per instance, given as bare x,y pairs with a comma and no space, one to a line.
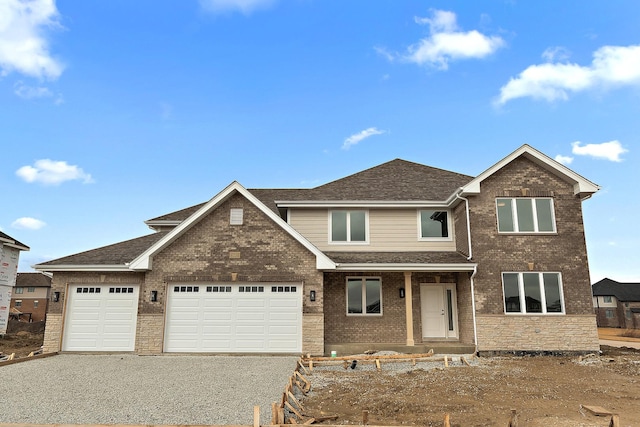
408,303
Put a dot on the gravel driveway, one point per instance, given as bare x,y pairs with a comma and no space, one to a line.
130,389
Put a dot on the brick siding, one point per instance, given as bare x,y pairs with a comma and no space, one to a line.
564,252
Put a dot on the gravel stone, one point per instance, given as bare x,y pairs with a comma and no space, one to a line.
131,389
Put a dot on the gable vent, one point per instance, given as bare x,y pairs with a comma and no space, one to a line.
236,216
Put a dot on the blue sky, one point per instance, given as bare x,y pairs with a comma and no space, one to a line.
114,112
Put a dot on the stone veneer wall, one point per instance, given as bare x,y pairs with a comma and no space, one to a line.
571,333
563,251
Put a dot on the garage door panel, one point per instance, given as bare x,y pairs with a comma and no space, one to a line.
217,316
250,303
217,330
99,320
241,319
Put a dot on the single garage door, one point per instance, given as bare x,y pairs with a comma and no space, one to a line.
101,318
263,318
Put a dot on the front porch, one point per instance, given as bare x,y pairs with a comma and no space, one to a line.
407,312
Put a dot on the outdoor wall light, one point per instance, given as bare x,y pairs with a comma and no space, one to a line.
56,296
312,295
401,292
154,296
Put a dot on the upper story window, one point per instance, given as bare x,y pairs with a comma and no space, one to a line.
18,290
606,299
525,215
31,289
348,226
434,224
532,293
364,295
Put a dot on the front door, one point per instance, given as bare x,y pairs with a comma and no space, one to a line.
438,307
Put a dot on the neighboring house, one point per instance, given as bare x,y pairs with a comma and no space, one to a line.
400,256
30,297
9,255
617,304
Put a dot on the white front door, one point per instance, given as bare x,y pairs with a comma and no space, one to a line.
438,307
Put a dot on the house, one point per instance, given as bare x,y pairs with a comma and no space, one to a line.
30,297
9,255
617,304
401,256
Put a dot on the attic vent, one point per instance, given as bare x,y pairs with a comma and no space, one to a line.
236,216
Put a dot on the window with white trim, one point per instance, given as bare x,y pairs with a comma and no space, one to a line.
348,226
18,290
609,313
527,293
606,299
364,296
525,215
434,224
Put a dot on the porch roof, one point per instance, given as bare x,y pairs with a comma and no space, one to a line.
401,261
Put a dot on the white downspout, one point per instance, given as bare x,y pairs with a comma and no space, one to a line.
466,201
475,270
473,308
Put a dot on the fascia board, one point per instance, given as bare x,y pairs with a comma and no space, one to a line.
73,267
581,184
16,246
404,267
144,261
163,222
362,204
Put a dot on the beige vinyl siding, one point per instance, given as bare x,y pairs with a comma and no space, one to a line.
389,230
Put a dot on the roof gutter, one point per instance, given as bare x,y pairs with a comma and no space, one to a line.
88,267
404,267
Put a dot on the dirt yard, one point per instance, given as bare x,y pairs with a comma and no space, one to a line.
21,343
545,391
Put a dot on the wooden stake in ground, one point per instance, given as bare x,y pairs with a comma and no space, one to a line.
513,422
447,422
256,416
615,421
365,417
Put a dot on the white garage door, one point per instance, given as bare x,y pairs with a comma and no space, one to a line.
101,318
264,318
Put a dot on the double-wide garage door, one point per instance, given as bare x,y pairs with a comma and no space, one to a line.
234,318
100,318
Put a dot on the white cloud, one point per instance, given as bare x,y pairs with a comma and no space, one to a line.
244,6
50,172
31,92
611,150
447,43
611,66
23,46
27,223
357,137
555,53
565,160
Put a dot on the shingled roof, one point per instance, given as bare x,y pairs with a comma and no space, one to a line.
116,254
396,180
40,280
10,240
622,291
398,258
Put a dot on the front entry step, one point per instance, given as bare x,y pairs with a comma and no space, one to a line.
439,347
